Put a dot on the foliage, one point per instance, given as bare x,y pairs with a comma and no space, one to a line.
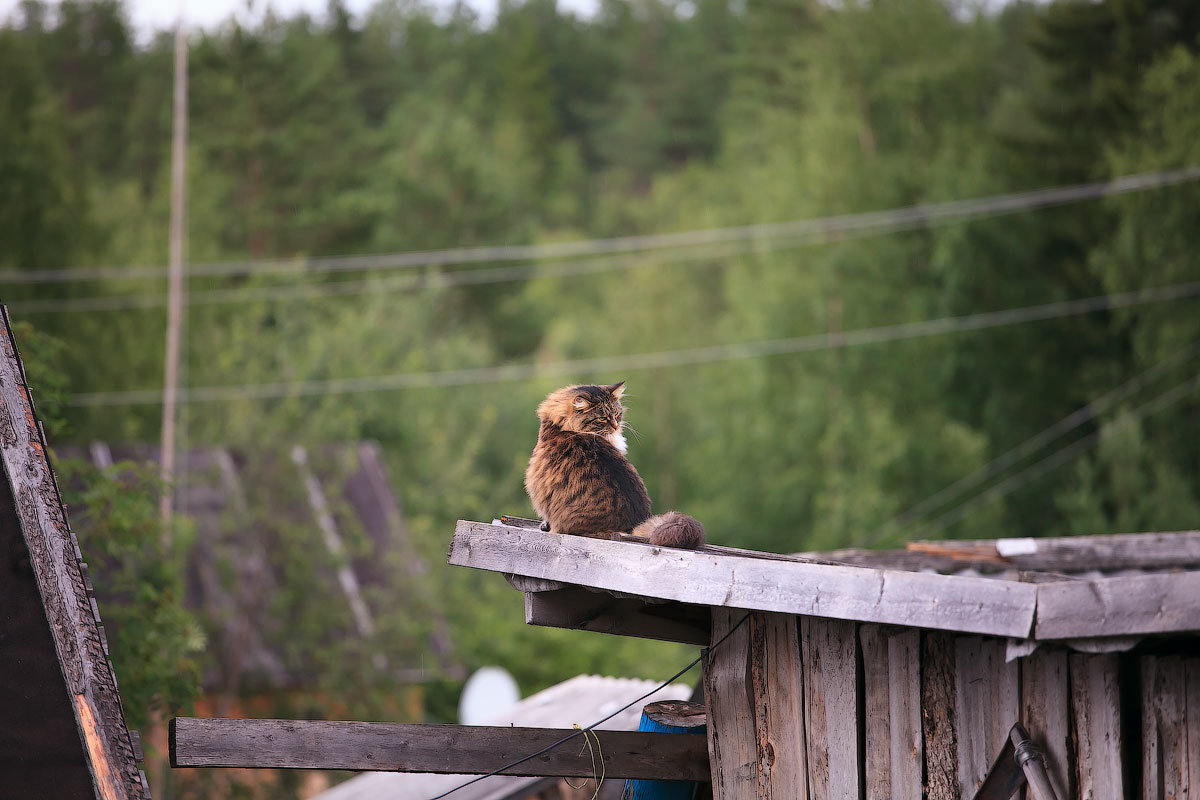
417,127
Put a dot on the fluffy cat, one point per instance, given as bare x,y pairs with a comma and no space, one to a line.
580,481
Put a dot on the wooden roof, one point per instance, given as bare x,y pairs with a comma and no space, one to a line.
62,730
1029,594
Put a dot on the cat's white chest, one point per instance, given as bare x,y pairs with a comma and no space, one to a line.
618,441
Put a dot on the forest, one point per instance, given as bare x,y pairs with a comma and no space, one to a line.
408,226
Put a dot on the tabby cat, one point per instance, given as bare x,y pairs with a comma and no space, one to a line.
580,481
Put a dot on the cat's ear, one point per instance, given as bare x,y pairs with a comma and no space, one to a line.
580,403
617,389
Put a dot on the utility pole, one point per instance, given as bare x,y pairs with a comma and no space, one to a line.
174,278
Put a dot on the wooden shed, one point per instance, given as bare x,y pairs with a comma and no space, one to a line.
62,729
871,674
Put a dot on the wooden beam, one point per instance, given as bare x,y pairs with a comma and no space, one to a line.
949,602
449,749
575,608
831,715
1076,553
1098,732
1135,604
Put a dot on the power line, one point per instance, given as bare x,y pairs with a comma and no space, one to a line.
819,227
898,523
667,358
1056,459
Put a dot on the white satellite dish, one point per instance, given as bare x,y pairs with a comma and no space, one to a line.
488,692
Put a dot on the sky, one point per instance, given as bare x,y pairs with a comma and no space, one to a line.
151,15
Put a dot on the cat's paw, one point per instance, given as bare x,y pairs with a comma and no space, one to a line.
545,526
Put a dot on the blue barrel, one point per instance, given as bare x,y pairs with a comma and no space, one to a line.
670,716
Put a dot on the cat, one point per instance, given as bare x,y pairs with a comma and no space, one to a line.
580,481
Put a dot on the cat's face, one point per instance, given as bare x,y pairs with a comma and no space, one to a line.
586,409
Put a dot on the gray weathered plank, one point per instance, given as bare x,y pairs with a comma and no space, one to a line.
1164,728
1045,713
753,687
948,602
575,608
938,716
986,706
732,741
1191,679
876,707
829,649
454,749
1096,715
904,707
1075,553
1118,606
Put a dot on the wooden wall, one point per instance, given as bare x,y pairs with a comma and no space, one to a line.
808,707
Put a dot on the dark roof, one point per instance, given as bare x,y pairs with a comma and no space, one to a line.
62,730
326,520
1061,589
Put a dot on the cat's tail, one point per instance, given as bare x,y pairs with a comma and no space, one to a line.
672,529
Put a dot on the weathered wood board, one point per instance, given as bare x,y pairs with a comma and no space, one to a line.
1045,713
575,608
892,704
1096,715
830,653
754,690
986,706
978,605
1121,606
938,715
1164,728
1076,553
452,749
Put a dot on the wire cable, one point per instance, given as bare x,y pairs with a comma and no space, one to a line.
1058,458
583,731
898,523
828,227
662,359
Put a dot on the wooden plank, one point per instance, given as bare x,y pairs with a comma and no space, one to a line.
1077,553
939,721
1045,713
876,707
904,714
1191,678
732,741
829,650
948,602
753,686
575,608
1096,716
986,706
1118,606
450,749
1164,728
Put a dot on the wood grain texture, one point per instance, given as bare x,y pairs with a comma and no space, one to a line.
938,716
830,652
948,602
453,749
986,706
732,740
1191,688
904,708
1045,713
1096,717
57,565
876,707
575,608
1118,606
753,686
1164,728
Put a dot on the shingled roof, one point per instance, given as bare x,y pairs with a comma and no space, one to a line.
62,730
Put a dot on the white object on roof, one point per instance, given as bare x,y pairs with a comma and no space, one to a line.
582,699
489,692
